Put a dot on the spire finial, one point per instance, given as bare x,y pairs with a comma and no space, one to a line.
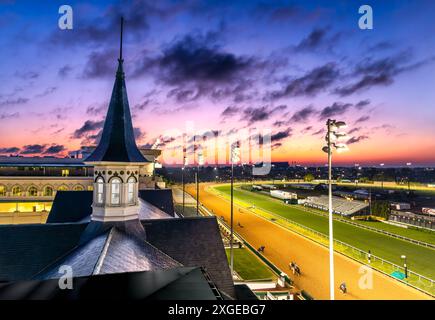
120,46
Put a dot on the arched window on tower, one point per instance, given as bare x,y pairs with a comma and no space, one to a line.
115,194
131,183
100,190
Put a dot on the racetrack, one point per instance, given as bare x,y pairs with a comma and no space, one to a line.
283,246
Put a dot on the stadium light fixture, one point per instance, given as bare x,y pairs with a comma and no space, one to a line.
200,162
235,158
332,136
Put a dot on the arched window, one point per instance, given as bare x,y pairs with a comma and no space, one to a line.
48,191
2,191
78,187
32,191
115,191
131,182
63,188
100,190
16,191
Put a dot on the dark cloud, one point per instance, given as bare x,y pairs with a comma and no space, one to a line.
303,114
306,129
230,111
196,66
88,127
356,139
379,72
5,116
33,149
64,71
138,133
280,123
97,109
252,115
362,119
142,106
27,75
362,104
280,135
319,38
13,102
46,92
311,83
276,145
9,150
104,29
100,64
55,149
337,108
318,132
353,130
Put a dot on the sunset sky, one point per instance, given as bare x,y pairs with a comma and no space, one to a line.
223,66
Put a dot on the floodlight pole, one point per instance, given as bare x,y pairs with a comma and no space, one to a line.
232,219
331,236
182,182
197,189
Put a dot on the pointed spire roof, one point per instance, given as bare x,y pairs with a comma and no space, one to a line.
117,143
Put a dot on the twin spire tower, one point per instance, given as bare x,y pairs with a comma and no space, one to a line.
116,159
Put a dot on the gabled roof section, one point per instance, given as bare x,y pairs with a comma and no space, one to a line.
194,242
113,251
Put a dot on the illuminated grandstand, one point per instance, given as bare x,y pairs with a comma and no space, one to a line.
339,205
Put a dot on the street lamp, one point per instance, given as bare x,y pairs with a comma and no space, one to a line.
185,163
332,138
235,157
405,265
199,162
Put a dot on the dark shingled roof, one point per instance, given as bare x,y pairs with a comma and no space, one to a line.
113,251
27,249
70,206
76,206
193,242
179,283
117,142
160,198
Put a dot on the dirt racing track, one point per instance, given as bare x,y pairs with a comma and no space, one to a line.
283,246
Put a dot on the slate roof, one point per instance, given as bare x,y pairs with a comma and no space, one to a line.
76,206
71,206
114,251
117,142
27,249
181,283
193,241
160,198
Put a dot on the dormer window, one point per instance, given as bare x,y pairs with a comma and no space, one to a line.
130,190
115,191
100,190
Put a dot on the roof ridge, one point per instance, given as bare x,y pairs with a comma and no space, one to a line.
99,264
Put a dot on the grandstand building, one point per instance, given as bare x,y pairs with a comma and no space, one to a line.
28,185
340,206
